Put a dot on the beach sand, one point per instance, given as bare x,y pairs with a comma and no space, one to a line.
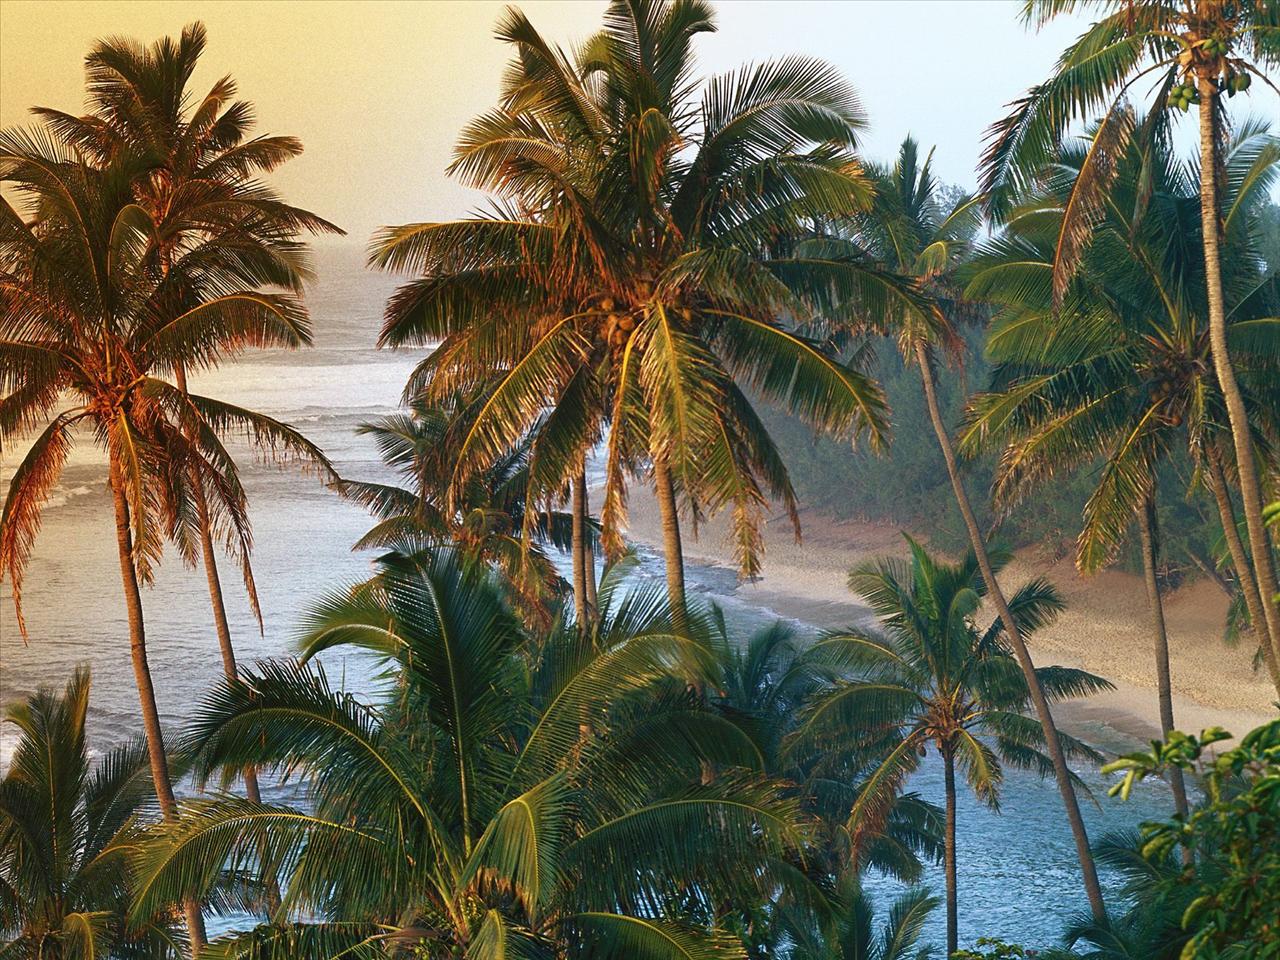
1105,628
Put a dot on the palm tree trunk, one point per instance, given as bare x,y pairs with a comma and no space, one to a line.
949,855
142,678
1240,562
1150,533
578,548
1250,489
222,627
667,509
1061,771
589,553
229,669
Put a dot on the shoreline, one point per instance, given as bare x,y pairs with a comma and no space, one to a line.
1104,628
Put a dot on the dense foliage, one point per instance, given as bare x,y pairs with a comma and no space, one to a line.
1226,895
596,770
66,825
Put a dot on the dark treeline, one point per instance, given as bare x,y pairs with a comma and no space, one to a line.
585,769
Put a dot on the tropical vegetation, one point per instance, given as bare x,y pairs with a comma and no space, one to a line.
936,679
555,757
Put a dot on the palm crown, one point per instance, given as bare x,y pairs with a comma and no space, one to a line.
89,321
1120,368
1167,44
645,266
487,521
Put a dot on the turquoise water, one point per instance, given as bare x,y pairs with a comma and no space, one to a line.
1017,869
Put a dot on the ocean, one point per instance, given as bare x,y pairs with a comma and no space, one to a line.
1018,876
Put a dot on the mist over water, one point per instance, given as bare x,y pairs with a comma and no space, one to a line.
1018,873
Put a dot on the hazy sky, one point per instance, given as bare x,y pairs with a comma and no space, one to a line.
378,90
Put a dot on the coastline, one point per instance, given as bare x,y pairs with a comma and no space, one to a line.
1104,628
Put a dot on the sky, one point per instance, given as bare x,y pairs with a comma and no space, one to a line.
378,91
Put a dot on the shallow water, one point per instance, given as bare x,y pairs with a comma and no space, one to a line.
1017,872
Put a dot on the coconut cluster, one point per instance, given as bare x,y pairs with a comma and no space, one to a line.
1183,95
1208,57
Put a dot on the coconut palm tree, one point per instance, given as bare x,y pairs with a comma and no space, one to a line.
913,232
637,274
1194,51
87,338
65,822
1118,370
507,794
936,680
200,179
486,523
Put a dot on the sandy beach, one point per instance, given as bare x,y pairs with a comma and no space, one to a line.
1105,628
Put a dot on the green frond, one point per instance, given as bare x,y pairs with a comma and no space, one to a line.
187,857
613,935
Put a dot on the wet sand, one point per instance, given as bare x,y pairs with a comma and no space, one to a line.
1105,628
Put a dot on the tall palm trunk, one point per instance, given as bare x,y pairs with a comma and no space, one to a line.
1240,562
589,554
142,679
1061,771
949,854
581,603
1149,530
671,545
222,627
1250,489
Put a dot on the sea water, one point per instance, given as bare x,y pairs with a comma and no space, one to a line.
1018,872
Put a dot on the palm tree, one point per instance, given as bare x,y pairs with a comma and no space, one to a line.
64,825
936,680
912,232
85,322
1196,50
486,523
200,179
508,794
638,272
1118,369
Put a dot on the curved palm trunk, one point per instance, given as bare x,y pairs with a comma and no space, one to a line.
1240,562
949,855
142,678
581,604
671,545
1250,489
1061,772
1150,533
